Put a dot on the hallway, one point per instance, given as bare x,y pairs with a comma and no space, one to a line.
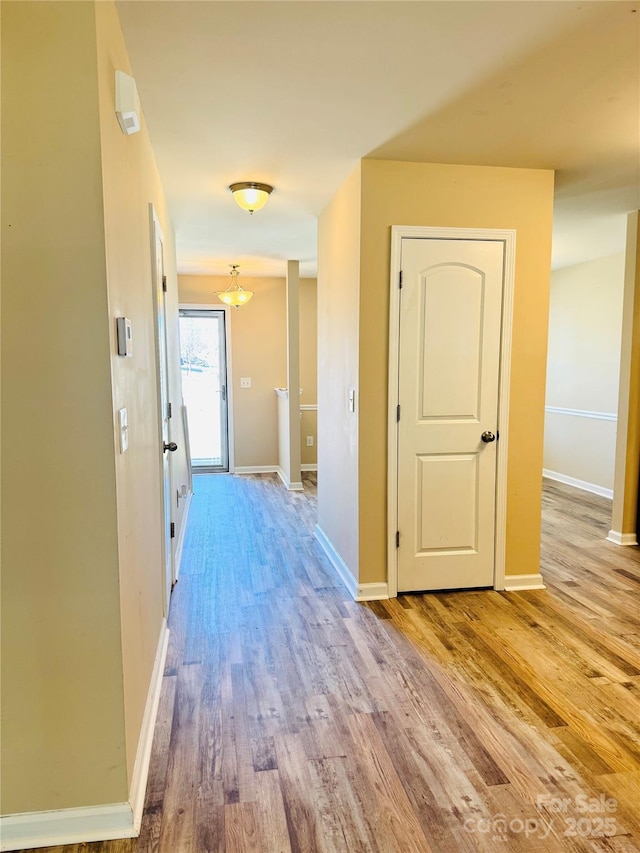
293,719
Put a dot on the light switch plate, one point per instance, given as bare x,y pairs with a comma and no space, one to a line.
245,382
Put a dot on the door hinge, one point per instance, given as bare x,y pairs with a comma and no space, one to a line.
169,410
173,530
400,282
397,538
164,283
398,413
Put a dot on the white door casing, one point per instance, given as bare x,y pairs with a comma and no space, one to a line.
198,306
157,267
449,368
217,322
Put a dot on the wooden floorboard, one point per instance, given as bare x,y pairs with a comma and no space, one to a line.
294,719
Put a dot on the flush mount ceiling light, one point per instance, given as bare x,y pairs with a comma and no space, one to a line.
235,294
251,195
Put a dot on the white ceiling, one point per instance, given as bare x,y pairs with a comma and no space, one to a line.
294,93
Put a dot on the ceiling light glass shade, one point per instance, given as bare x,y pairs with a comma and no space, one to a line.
235,297
235,294
251,195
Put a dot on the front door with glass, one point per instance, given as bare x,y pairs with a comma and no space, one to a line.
204,386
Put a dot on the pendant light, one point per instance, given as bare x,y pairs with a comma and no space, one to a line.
251,195
235,294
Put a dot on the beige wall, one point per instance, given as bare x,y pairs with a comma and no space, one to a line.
338,358
82,567
581,448
396,193
63,742
354,260
131,182
308,294
585,327
308,426
259,351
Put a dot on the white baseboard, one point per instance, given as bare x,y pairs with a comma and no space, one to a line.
517,583
183,528
622,538
372,591
359,592
342,570
255,469
578,484
275,469
145,741
67,826
291,486
309,466
95,823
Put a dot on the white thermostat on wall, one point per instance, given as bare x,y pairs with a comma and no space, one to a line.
125,341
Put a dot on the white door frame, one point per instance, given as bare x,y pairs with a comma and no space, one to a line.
508,237
199,306
168,559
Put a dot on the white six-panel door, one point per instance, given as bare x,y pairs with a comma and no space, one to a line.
448,382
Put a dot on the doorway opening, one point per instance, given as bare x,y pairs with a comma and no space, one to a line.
203,364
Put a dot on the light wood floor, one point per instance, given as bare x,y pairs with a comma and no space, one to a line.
293,719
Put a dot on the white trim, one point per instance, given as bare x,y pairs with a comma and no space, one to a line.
578,484
508,237
372,591
187,446
622,538
66,826
295,486
181,534
308,407
255,469
231,442
342,570
270,469
210,306
358,591
143,755
273,469
517,583
504,397
582,413
392,420
157,288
